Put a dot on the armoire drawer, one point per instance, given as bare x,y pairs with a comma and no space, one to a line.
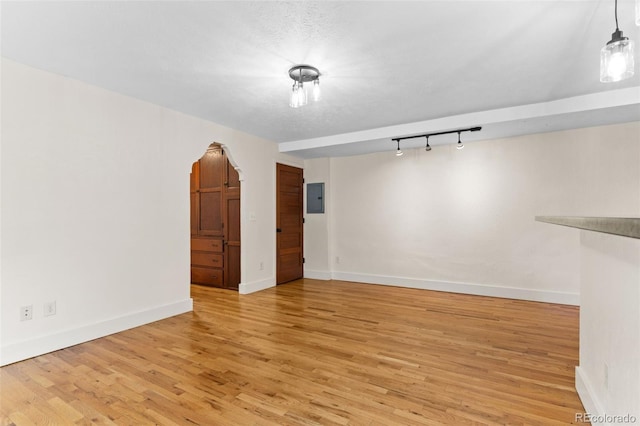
206,244
206,258
207,276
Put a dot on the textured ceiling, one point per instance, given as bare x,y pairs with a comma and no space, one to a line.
383,63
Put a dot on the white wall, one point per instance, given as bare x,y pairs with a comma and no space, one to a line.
95,209
463,220
608,378
317,227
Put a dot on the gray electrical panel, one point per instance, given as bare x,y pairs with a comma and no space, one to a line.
315,198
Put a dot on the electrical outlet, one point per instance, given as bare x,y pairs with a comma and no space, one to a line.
26,313
261,266
50,309
337,259
606,376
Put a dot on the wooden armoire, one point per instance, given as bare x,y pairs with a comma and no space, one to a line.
215,221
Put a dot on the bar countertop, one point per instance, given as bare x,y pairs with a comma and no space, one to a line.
623,226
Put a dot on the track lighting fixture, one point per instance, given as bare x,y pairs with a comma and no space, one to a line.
616,57
399,152
459,145
301,74
427,148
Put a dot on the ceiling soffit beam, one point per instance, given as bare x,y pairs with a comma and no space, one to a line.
576,104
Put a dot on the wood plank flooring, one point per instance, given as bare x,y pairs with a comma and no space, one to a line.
314,353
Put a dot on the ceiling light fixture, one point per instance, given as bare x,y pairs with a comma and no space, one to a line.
616,57
301,74
427,135
398,152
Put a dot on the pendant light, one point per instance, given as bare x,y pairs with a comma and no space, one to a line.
616,57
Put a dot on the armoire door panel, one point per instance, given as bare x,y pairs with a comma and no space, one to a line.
232,270
233,178
210,214
194,213
194,177
211,168
232,238
233,221
194,197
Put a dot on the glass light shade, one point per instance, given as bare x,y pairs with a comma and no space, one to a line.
616,61
399,153
302,95
459,145
298,96
293,101
316,90
427,148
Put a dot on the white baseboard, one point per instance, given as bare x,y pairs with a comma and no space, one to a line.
588,397
252,287
466,288
41,345
317,275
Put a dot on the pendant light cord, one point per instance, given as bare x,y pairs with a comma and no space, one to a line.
616,14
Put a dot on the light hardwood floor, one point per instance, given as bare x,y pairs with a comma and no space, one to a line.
314,352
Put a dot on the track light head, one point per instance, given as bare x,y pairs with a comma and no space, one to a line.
459,145
428,147
399,151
